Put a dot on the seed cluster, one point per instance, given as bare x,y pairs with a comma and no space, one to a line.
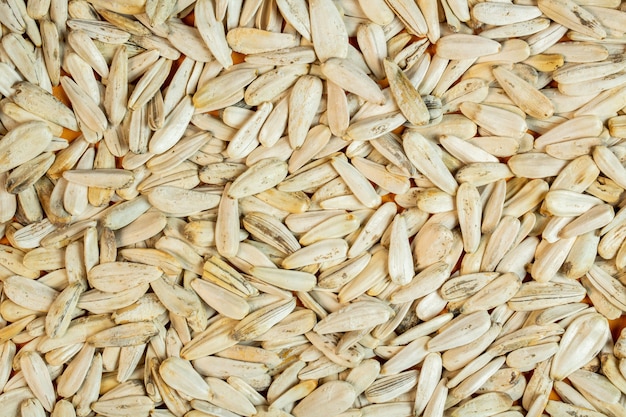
291,208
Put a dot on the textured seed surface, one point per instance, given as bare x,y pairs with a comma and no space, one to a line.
312,208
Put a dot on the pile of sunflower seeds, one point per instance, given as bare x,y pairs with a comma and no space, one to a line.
389,208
